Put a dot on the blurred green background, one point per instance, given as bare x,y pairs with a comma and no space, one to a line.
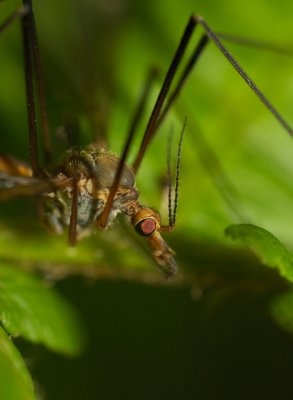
208,334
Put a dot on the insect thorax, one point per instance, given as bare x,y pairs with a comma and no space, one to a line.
94,170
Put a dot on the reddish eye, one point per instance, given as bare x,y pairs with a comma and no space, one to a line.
145,227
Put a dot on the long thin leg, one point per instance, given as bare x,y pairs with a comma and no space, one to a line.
214,38
137,116
154,122
206,155
31,63
28,72
185,74
151,126
39,81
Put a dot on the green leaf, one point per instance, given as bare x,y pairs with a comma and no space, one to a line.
31,309
282,311
267,247
16,383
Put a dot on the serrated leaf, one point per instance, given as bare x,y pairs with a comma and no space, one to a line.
267,247
38,313
282,311
16,383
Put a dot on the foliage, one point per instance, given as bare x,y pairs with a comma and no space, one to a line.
269,249
16,381
34,311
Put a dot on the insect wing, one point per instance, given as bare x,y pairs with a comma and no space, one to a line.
13,186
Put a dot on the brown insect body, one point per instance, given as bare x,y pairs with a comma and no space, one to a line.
95,170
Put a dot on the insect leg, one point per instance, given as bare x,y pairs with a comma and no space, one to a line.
32,69
152,123
39,83
186,72
159,112
215,39
29,85
102,222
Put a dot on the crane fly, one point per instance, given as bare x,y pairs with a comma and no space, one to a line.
91,186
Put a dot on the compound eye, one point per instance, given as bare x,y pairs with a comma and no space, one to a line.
145,227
